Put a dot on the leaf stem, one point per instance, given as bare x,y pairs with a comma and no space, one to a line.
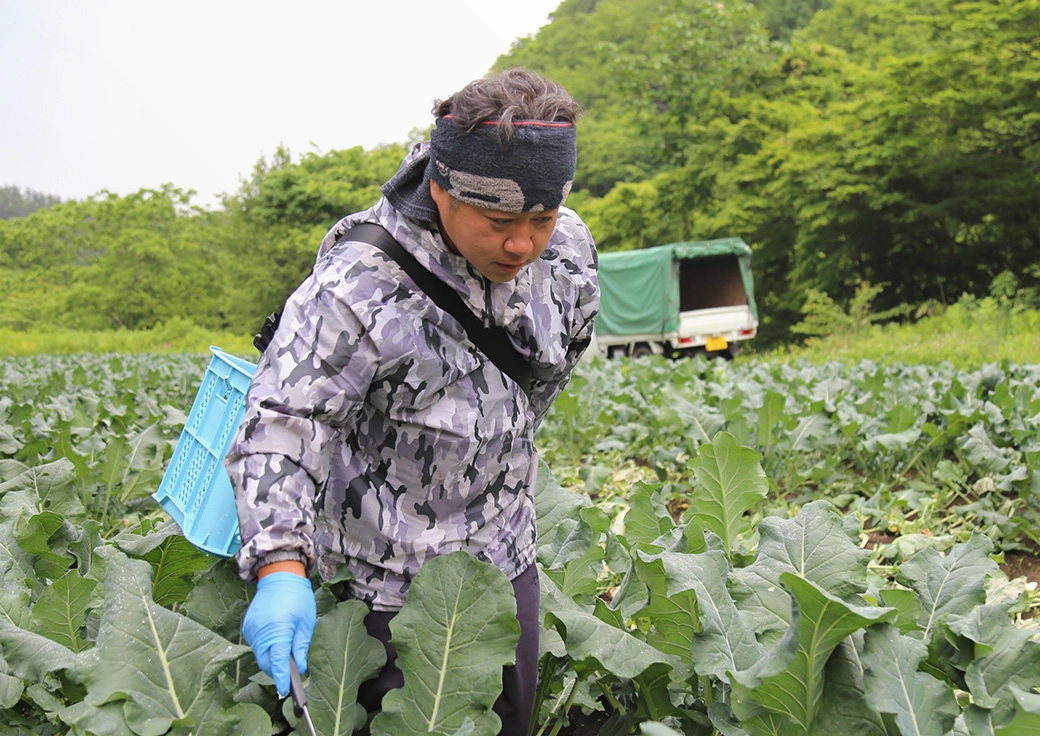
708,692
611,699
566,706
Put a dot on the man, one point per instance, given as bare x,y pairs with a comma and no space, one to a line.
376,435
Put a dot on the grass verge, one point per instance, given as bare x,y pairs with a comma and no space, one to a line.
967,334
176,336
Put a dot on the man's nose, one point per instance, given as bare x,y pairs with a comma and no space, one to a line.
520,239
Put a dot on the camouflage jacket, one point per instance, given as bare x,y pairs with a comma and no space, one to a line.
376,436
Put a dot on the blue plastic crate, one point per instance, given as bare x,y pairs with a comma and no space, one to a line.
195,489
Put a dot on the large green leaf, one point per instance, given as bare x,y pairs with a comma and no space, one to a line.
139,541
892,442
908,605
789,681
1005,656
110,719
1027,715
674,619
844,709
60,609
174,562
921,704
953,583
698,423
454,634
814,432
973,721
554,503
83,549
342,656
980,450
770,418
14,508
10,469
11,689
29,656
131,467
655,697
647,518
9,444
98,720
219,600
730,481
715,636
573,558
47,537
162,665
39,540
725,720
593,643
14,599
53,485
817,545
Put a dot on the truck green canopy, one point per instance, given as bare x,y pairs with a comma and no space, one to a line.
640,289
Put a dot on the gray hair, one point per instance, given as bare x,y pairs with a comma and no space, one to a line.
513,95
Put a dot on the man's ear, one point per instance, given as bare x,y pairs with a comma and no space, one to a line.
440,194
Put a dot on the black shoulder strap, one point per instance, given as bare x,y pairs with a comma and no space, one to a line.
492,341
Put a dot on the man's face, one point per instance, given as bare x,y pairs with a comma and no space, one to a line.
498,244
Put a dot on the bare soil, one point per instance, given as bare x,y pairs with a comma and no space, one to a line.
1017,565
584,725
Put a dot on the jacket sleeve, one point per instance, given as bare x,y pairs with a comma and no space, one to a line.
308,387
575,278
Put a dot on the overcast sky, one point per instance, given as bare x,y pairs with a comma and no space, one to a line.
121,95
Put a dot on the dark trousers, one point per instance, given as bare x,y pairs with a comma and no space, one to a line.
519,682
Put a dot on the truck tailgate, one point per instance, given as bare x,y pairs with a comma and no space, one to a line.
719,321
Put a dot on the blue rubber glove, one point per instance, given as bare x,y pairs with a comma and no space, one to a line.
281,620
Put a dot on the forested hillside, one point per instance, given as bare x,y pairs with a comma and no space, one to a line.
14,202
893,142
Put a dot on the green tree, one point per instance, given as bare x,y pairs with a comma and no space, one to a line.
271,228
914,170
871,32
925,174
577,50
112,262
318,189
824,316
891,142
15,202
627,217
699,48
153,263
783,17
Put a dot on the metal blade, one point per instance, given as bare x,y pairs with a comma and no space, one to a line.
299,696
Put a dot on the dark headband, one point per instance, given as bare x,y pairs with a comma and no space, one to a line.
532,174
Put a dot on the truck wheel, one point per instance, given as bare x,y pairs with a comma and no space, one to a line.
642,350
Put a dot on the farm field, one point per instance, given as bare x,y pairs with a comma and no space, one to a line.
922,455
755,547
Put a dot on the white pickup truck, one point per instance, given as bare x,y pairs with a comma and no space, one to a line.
677,300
